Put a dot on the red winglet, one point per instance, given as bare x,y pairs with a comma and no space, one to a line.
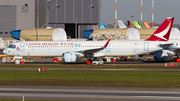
107,43
163,32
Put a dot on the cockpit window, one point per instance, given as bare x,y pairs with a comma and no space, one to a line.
12,46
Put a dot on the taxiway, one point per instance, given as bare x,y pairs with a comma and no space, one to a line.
88,93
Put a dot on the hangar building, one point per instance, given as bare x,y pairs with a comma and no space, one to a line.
74,16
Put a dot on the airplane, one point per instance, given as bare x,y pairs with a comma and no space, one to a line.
73,51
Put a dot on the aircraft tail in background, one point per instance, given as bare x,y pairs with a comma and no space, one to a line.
102,26
163,32
135,23
141,24
121,24
146,25
130,25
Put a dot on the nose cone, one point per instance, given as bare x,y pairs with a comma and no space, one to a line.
5,51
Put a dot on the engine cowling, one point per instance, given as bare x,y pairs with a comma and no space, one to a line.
71,57
163,55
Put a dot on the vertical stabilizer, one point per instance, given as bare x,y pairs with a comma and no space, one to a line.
146,25
141,24
121,24
163,32
130,25
102,26
135,23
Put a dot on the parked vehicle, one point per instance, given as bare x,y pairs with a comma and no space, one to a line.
98,62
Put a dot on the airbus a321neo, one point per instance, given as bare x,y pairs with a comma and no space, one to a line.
72,51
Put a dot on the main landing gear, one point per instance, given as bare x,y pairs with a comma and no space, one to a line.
89,61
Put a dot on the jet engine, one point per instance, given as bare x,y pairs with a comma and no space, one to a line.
72,57
163,55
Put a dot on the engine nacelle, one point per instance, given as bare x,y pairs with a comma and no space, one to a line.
71,57
163,55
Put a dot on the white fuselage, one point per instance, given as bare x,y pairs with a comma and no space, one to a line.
57,48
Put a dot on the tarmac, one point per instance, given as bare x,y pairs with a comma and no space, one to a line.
89,93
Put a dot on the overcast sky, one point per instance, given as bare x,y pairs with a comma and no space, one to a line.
126,8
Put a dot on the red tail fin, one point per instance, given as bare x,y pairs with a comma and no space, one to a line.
107,43
163,32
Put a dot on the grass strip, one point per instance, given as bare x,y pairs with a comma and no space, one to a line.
90,66
91,78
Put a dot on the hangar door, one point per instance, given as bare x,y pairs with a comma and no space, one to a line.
70,30
7,20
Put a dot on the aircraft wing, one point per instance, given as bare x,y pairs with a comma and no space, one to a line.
90,52
166,45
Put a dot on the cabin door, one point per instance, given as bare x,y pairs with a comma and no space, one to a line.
146,46
22,46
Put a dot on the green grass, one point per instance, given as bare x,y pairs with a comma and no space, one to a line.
119,66
91,78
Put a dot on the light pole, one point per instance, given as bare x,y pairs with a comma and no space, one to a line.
141,10
152,13
37,23
115,13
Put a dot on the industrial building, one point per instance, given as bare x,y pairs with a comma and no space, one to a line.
16,14
74,16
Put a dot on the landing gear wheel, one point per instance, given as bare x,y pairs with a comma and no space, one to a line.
89,61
